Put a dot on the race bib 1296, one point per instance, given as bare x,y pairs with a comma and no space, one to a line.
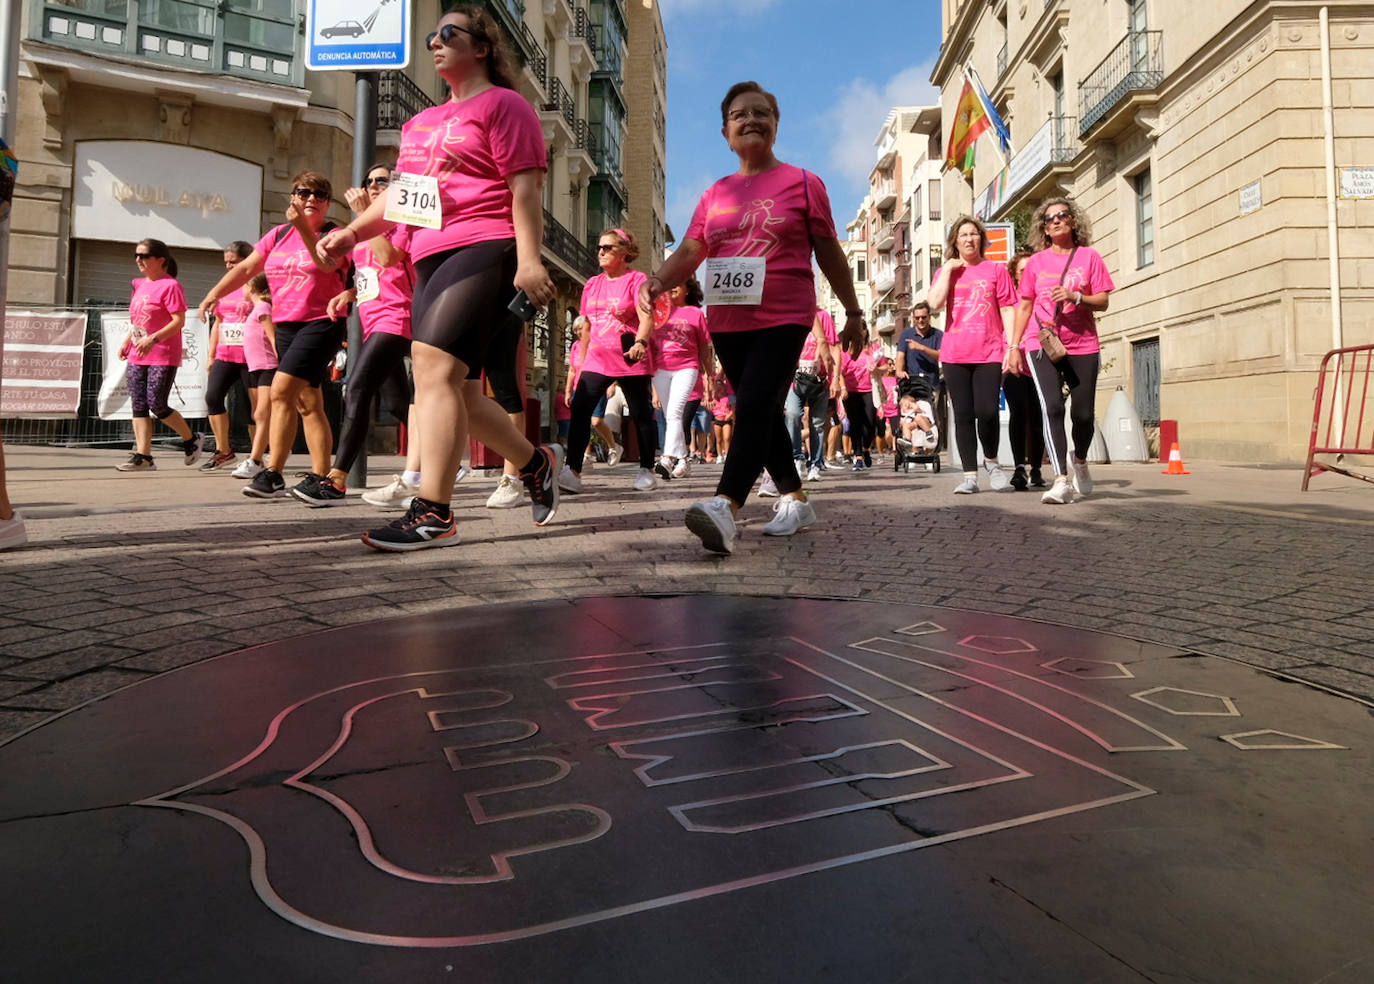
230,334
413,199
734,279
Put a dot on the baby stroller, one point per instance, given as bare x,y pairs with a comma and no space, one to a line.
918,388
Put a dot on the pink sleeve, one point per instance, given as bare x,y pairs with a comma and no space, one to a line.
1029,275
174,298
696,229
1098,277
1005,290
820,223
586,288
516,137
267,243
703,336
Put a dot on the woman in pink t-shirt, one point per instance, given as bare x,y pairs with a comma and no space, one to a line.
153,350
681,355
978,296
227,363
856,364
308,339
617,353
757,229
1063,285
260,351
468,185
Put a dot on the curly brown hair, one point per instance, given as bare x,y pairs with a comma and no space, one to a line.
951,249
484,30
627,242
1082,225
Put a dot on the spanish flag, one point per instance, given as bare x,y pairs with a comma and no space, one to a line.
970,122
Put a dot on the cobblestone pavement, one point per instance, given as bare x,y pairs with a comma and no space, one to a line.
133,575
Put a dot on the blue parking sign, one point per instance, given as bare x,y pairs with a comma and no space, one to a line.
357,35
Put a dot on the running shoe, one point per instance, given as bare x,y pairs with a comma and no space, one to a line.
1082,478
266,484
814,474
306,485
507,495
997,476
645,479
397,492
968,486
248,468
542,484
790,515
905,445
137,462
1037,480
569,480
419,528
1060,493
683,468
191,449
323,492
713,522
858,465
1018,479
768,488
614,455
12,532
663,468
218,460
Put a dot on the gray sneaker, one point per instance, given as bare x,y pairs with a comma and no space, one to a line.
713,522
192,448
968,486
137,462
998,479
1081,477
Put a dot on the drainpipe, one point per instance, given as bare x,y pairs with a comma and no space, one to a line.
1332,240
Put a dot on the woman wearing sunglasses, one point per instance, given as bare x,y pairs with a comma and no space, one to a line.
1063,285
474,177
302,285
227,361
153,350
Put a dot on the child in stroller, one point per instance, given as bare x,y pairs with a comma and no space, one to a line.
920,438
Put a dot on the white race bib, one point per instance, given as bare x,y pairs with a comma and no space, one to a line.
230,334
413,199
734,279
807,366
367,282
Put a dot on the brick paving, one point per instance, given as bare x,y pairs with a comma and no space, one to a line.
133,575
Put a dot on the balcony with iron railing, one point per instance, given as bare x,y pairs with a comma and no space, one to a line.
1134,66
560,241
1002,60
398,99
536,59
1064,134
560,103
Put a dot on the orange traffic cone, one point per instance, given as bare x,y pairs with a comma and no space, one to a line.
1175,463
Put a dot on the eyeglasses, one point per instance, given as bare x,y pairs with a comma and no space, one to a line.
305,194
377,182
142,256
1063,216
740,115
447,33
921,317
607,247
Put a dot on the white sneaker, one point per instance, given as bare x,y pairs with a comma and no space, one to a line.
12,532
1082,478
569,480
645,480
396,493
767,487
248,468
998,479
713,522
614,455
968,486
683,468
509,493
814,474
790,516
800,463
463,472
1059,493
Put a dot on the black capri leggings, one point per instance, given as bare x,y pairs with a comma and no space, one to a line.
863,422
689,414
591,387
1079,373
973,388
460,301
380,369
223,375
1025,425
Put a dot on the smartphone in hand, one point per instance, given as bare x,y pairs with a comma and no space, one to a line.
521,307
627,342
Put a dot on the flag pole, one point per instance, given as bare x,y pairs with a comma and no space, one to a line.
974,80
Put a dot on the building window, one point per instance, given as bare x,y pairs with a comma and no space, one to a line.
1144,219
860,271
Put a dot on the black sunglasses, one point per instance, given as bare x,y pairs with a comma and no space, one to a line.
607,247
1058,217
447,33
307,193
143,256
379,182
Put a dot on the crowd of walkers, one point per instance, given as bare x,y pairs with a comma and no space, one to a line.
763,381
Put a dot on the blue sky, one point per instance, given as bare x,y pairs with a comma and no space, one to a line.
836,68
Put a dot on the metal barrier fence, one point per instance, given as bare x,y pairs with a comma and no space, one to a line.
1341,417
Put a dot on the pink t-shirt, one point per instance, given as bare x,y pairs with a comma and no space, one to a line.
232,309
721,408
889,408
809,362
973,313
680,341
610,306
255,346
858,376
699,390
1077,325
773,215
472,147
151,310
389,311
300,290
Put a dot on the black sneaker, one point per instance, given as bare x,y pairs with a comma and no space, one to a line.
191,448
663,471
266,484
1036,479
315,491
542,483
419,528
1018,479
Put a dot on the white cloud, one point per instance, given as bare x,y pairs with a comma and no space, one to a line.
853,120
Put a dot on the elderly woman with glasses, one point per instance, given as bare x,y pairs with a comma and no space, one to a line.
756,230
1063,285
308,338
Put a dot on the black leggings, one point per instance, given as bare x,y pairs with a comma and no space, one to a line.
973,389
1025,426
591,387
223,375
380,369
460,300
689,414
760,364
1079,373
863,422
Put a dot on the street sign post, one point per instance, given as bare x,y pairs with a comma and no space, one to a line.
366,36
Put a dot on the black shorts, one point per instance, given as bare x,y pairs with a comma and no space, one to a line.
503,361
262,377
461,298
306,349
